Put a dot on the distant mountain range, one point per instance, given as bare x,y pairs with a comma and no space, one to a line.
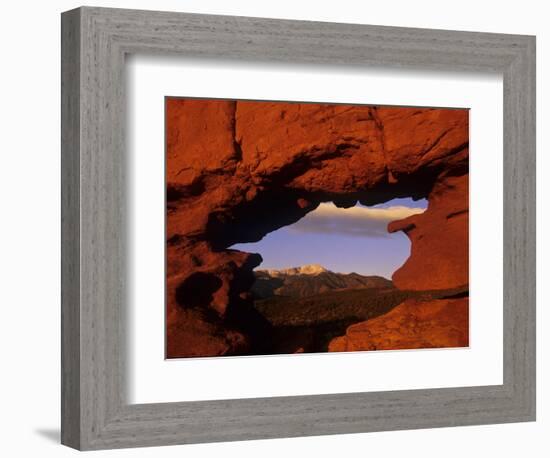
309,280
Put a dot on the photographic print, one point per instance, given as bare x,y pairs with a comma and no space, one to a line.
297,227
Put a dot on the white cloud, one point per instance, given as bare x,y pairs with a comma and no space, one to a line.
355,221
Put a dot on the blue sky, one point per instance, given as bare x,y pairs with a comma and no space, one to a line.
342,240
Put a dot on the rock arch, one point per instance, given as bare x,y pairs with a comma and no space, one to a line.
239,170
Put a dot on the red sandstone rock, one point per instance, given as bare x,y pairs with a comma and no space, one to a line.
439,137
192,334
439,239
238,170
199,138
412,324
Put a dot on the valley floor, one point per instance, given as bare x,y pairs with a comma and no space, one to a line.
309,324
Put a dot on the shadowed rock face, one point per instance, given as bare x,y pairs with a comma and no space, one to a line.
239,170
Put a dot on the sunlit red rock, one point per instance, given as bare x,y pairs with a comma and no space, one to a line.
412,324
439,239
239,170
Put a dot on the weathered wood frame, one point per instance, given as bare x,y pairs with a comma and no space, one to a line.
95,413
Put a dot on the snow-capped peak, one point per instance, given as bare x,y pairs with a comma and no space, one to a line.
308,269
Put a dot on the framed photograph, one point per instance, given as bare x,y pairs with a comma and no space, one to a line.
277,228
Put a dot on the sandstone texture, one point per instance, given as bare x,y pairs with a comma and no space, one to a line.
439,239
238,170
412,324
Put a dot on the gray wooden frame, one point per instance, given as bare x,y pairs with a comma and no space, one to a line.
95,413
